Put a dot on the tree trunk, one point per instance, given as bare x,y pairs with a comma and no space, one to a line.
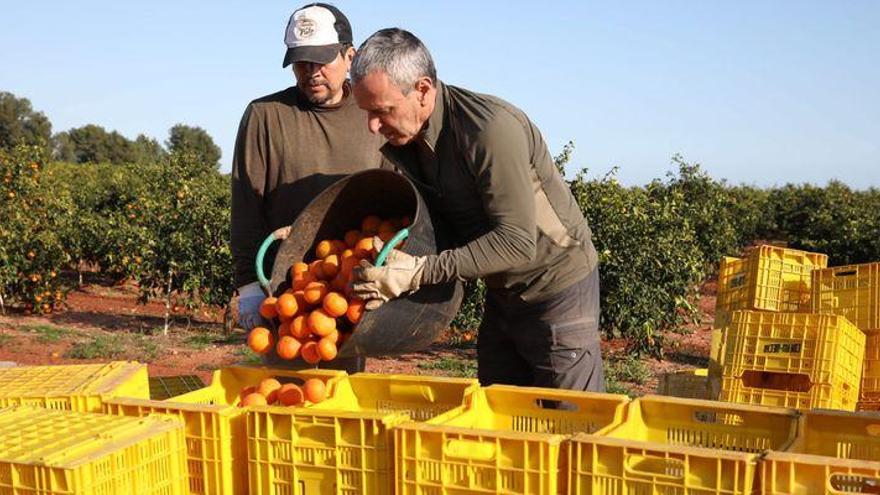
167,304
79,269
2,305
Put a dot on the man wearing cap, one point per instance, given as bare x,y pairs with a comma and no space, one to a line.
293,144
483,165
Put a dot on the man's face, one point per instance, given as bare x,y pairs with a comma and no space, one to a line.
322,83
396,116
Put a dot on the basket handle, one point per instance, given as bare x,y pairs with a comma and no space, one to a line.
401,235
851,483
469,449
654,466
279,235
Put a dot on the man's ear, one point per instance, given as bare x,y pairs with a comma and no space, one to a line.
424,85
349,54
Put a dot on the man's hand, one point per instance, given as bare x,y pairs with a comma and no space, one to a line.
376,285
246,305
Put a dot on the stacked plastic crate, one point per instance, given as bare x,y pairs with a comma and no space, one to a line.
766,349
853,291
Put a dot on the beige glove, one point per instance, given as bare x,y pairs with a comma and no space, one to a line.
401,273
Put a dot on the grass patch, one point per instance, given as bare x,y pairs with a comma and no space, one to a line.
450,366
48,333
248,356
200,341
5,339
126,346
101,346
621,370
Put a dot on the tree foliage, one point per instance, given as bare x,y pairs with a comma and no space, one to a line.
21,124
194,141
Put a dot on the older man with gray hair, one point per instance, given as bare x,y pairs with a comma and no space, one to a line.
484,167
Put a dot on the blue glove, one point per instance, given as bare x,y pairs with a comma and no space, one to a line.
250,297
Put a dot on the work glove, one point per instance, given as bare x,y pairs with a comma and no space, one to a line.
246,305
376,285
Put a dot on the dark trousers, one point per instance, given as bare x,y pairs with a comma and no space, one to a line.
552,343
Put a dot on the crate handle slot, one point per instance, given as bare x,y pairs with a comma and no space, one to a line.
655,466
794,382
556,404
873,430
848,273
469,449
853,483
718,417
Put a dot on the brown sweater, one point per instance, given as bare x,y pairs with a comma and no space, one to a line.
287,151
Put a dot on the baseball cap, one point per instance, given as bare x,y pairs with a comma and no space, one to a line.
315,33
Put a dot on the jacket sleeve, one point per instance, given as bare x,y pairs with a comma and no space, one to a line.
249,171
501,165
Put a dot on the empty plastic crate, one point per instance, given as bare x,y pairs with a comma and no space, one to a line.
792,360
344,444
852,291
64,452
690,384
216,430
76,387
870,391
835,452
673,445
768,278
510,440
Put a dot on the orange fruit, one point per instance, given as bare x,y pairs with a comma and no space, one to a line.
315,390
314,292
333,337
303,279
325,248
267,308
284,328
309,352
299,327
355,310
290,395
364,248
327,349
288,347
387,226
335,304
348,265
330,266
386,235
338,246
297,269
247,391
268,388
253,399
286,305
339,282
301,303
260,340
351,237
317,270
370,225
320,323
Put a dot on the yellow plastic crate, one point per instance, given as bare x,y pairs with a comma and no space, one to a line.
675,445
835,452
792,360
77,387
46,452
868,406
768,278
852,291
216,430
870,391
344,444
690,384
507,441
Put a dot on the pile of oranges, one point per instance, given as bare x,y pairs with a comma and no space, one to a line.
317,312
271,391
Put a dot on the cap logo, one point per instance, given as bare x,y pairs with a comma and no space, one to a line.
306,28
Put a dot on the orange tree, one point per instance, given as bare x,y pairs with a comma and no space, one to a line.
185,259
31,239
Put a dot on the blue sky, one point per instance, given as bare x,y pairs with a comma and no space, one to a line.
758,92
